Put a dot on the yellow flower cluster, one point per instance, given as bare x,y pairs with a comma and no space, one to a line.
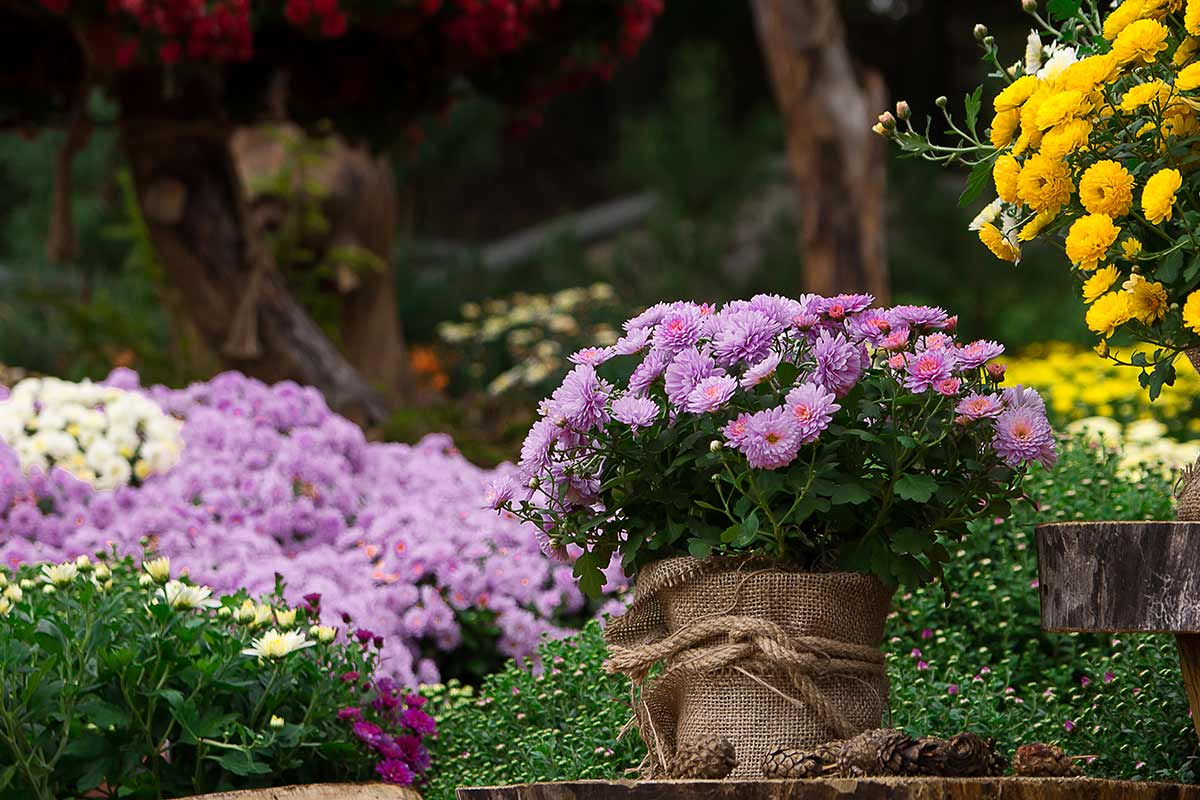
1077,385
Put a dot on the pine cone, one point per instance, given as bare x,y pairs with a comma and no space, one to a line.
885,751
1038,760
964,755
795,763
710,758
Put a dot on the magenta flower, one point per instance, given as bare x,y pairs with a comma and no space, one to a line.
1109,677
916,652
952,689
922,666
1024,435
581,398
948,387
771,439
762,370
418,721
687,369
349,712
394,771
592,355
743,337
872,326
896,338
927,633
977,406
996,371
978,353
843,305
1085,681
369,733
711,394
1068,725
985,670
679,328
636,412
921,316
840,362
735,431
811,408
897,361
926,369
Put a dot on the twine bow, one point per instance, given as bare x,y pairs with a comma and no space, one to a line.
753,647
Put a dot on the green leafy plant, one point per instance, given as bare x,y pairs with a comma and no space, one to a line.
121,681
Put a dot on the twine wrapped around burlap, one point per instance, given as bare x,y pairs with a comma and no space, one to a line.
1187,488
760,655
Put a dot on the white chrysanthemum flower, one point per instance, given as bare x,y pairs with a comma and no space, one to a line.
274,644
1033,53
159,569
182,595
990,213
1105,430
323,633
1145,431
59,575
1060,57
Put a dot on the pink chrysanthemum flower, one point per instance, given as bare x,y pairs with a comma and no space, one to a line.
926,369
937,341
779,309
679,329
648,318
581,398
921,316
897,361
895,339
636,412
687,369
743,337
840,362
871,326
499,492
978,353
978,406
592,355
735,431
762,370
771,439
844,305
812,408
633,342
1024,397
1022,435
646,373
948,387
711,394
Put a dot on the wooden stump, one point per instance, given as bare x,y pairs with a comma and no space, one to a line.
1118,577
843,789
321,791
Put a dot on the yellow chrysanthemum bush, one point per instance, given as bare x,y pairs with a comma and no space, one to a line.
1093,145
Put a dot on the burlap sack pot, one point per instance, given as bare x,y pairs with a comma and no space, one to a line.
749,651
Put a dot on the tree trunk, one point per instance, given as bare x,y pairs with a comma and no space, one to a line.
193,203
837,161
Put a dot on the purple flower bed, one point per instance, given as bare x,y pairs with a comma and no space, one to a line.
271,481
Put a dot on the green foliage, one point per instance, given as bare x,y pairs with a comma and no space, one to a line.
1130,713
108,682
558,722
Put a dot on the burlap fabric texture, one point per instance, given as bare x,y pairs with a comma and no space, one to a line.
1187,490
763,656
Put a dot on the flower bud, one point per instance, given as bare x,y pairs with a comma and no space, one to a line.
903,112
882,131
1029,6
989,41
981,32
26,583
224,612
145,580
996,370
276,722
942,101
715,446
534,483
887,121
83,564
13,592
48,589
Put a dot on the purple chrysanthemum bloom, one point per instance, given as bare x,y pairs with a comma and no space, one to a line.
1024,397
871,326
688,368
394,771
369,733
771,439
679,329
535,450
844,305
711,394
840,362
648,318
636,412
418,721
896,339
811,407
633,342
647,372
764,369
349,712
978,353
937,341
500,491
581,398
1022,435
776,307
592,355
744,336
735,431
978,406
925,369
921,316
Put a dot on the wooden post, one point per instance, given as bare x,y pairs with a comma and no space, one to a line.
1189,663
837,162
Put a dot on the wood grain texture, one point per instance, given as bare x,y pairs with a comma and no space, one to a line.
1120,576
843,789
1189,662
320,791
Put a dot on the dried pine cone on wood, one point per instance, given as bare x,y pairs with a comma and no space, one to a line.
796,762
888,751
1039,760
710,758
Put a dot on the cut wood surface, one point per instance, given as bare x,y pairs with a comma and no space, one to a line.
321,791
843,789
1120,576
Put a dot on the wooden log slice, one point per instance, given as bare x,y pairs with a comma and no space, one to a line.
320,791
843,789
1120,576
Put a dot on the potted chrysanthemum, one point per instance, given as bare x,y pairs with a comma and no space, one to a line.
769,472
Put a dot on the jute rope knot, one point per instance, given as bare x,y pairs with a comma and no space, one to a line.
755,647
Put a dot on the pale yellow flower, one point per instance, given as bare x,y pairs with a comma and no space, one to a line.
59,575
159,569
274,644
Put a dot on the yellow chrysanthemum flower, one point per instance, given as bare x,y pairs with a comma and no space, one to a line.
1004,128
1122,17
1108,313
1147,301
1106,188
1188,78
1005,172
1089,73
1045,183
1179,123
1060,107
1100,282
1191,312
1131,247
1036,226
1186,51
1089,239
998,243
1152,92
1140,41
1062,140
1016,93
1158,198
1191,17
